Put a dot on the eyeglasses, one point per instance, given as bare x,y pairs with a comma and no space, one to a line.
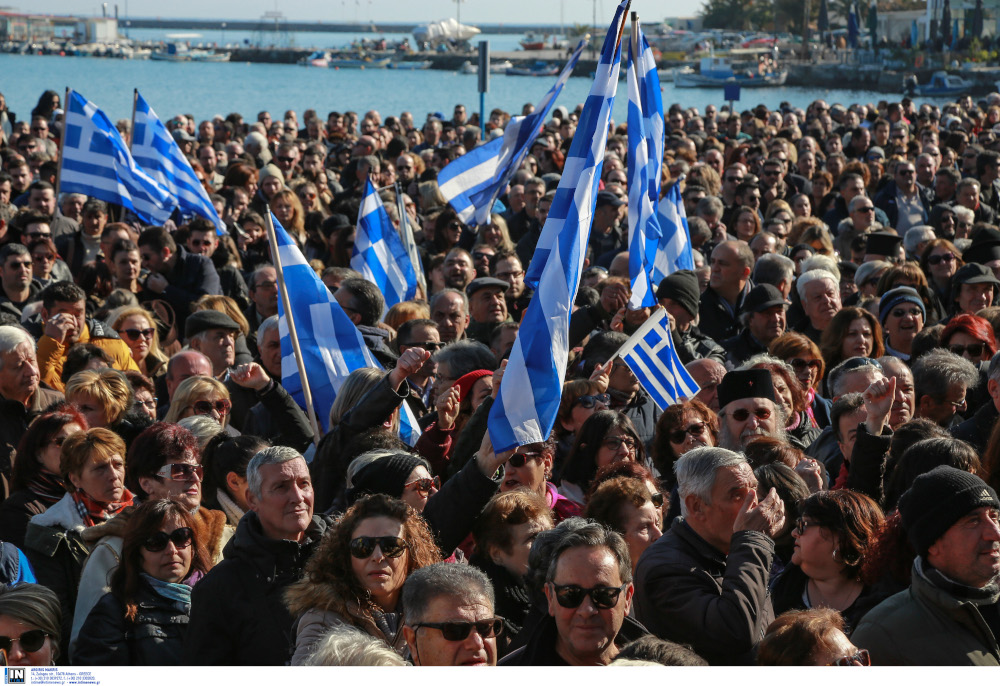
509,275
657,499
589,401
38,234
616,442
801,525
148,404
181,471
47,257
206,406
286,160
519,459
424,486
974,349
858,362
866,209
914,311
742,414
391,546
135,334
30,641
478,255
459,631
603,597
935,260
859,659
426,345
679,435
181,538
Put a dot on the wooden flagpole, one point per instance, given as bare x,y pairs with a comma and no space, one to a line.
62,144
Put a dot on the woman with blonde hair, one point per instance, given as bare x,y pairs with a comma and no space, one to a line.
288,210
137,327
103,396
495,234
201,395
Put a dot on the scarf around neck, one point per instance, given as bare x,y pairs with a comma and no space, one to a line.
177,593
48,488
987,595
93,511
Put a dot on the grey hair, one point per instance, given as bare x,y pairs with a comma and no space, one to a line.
440,294
464,583
915,235
204,428
710,205
350,647
265,326
938,369
541,555
252,280
766,358
813,275
964,213
278,454
696,471
773,269
13,337
821,262
838,375
591,535
466,356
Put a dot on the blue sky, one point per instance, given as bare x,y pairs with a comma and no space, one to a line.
487,11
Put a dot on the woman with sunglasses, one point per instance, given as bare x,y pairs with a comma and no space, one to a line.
807,363
530,469
939,262
970,337
356,576
834,533
201,395
607,436
682,427
810,638
30,618
138,329
580,399
36,482
44,258
143,620
58,541
853,332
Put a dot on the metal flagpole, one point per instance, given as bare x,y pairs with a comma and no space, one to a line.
406,233
290,320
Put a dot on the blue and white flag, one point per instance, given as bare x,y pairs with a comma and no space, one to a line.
528,401
96,162
379,253
473,182
645,163
674,249
650,354
156,151
332,347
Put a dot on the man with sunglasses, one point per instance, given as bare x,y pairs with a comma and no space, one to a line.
749,409
588,587
948,616
704,583
450,620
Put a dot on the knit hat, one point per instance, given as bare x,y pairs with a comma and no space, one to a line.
748,383
897,296
683,287
386,475
938,499
466,382
271,170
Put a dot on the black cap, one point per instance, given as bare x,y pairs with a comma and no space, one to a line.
974,273
386,475
880,243
985,247
609,198
750,383
682,286
484,282
205,320
762,297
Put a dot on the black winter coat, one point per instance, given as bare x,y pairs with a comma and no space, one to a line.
154,638
238,612
540,649
716,320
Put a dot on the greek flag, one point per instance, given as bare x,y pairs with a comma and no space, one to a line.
528,400
156,151
674,249
472,183
332,347
645,162
650,354
379,253
96,162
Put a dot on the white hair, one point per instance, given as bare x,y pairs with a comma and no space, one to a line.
810,276
349,647
12,338
696,471
823,262
204,428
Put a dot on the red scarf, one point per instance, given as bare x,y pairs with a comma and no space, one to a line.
93,511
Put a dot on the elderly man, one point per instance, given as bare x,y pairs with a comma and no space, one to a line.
181,366
450,311
487,307
458,359
941,379
903,200
749,408
588,586
762,320
820,295
708,374
267,553
728,286
450,620
704,583
860,221
948,614
213,334
679,294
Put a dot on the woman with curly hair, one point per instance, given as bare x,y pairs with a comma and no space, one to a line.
355,578
833,534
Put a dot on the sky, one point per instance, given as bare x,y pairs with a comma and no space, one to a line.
417,11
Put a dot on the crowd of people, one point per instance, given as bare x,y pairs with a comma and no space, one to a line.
826,498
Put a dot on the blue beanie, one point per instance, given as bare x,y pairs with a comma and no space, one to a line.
896,296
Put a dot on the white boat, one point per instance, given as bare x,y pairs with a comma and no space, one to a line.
942,84
495,67
320,58
446,31
719,71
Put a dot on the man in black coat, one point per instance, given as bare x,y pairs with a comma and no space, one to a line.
763,320
977,428
238,613
679,295
722,301
176,275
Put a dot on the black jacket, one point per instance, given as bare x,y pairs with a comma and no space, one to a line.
716,320
688,592
540,649
238,613
14,420
977,428
694,345
191,277
154,638
885,200
741,348
279,419
513,600
787,590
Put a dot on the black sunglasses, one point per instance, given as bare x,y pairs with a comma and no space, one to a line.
938,259
459,631
519,459
426,345
657,499
391,546
30,641
858,362
974,349
181,538
603,597
799,363
860,659
695,430
742,414
589,401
